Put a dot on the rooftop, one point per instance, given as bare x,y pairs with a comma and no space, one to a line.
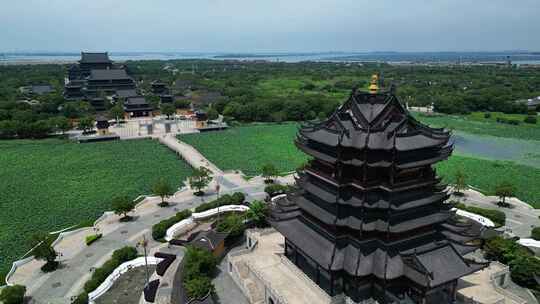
268,263
95,58
113,74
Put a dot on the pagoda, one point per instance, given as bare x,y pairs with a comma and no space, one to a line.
369,219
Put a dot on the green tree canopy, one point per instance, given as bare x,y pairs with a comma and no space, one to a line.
257,213
122,205
504,190
200,179
13,294
168,109
269,172
162,189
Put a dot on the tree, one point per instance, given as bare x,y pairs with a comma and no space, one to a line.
257,213
212,114
122,205
162,189
117,111
199,180
232,224
197,288
269,171
86,123
460,181
61,124
504,190
167,109
45,252
13,294
523,269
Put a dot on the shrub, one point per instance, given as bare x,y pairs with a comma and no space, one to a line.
13,294
125,254
487,115
232,224
199,266
530,119
509,121
535,233
81,299
92,238
523,269
159,230
276,189
197,288
236,199
100,274
498,217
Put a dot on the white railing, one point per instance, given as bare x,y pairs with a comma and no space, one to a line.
529,243
184,224
475,217
123,268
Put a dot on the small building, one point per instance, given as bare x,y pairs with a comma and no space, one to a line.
201,119
137,106
40,89
166,98
102,125
159,88
74,90
183,85
98,103
124,93
210,240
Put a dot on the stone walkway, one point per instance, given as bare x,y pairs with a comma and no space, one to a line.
519,220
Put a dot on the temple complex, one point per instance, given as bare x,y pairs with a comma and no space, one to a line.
369,218
96,76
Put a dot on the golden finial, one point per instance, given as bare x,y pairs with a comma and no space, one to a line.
374,86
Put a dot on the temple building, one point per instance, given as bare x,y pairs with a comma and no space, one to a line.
96,76
137,106
89,62
108,82
368,220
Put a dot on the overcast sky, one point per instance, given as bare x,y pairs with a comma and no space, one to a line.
269,25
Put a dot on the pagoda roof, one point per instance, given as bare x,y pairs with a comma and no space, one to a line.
126,93
375,122
111,74
136,100
95,57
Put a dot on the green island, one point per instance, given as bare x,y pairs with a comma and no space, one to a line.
249,148
51,184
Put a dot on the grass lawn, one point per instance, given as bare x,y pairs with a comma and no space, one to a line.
52,184
475,123
249,148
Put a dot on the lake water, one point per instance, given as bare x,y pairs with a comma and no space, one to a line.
526,152
413,57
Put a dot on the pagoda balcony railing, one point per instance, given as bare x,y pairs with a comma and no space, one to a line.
422,181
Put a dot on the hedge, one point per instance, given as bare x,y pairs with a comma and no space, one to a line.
276,189
92,238
498,217
159,230
236,199
100,274
535,233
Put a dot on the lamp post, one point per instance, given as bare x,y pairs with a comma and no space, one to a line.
143,243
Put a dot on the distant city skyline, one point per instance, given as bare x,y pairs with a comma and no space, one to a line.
268,26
